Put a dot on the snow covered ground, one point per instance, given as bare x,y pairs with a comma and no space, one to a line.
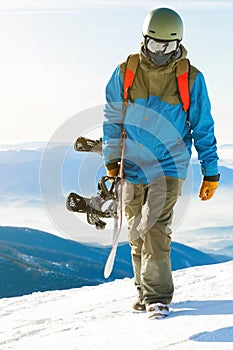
100,317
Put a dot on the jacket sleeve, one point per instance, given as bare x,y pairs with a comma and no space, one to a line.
112,126
202,125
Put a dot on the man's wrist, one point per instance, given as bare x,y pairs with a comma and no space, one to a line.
212,178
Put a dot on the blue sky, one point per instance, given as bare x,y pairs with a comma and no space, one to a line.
57,56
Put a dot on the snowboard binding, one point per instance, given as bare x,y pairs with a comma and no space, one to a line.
103,205
83,144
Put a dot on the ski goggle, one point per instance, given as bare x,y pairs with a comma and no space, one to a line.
165,47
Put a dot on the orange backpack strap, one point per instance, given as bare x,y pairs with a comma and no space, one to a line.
182,76
130,71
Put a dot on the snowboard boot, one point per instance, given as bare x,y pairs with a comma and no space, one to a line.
157,310
139,305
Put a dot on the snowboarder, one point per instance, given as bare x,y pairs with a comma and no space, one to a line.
158,138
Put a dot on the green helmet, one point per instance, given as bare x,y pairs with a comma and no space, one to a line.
163,24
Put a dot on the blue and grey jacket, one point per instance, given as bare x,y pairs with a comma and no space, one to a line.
158,137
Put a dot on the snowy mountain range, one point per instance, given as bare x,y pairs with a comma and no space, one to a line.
100,317
32,260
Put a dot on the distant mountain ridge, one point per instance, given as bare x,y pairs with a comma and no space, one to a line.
20,170
33,260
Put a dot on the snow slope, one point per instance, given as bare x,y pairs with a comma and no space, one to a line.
100,318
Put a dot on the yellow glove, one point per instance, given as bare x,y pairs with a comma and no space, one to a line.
207,189
112,169
112,172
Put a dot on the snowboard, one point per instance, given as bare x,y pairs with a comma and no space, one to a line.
95,207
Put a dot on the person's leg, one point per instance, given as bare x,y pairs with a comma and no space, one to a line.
156,275
133,202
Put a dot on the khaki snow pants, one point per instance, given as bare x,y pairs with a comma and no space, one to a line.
148,210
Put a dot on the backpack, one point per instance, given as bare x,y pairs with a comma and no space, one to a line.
182,77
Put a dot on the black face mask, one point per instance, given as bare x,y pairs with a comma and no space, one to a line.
161,59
